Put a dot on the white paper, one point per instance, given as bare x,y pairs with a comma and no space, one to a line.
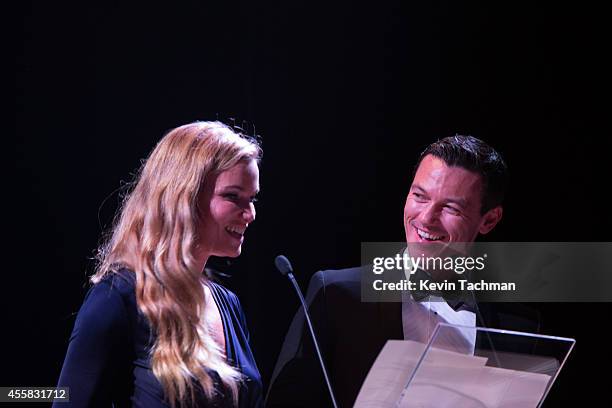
394,365
445,379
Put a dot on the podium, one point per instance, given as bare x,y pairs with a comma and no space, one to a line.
465,367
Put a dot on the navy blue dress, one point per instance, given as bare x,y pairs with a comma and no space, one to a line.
108,358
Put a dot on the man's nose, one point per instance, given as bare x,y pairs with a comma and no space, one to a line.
428,215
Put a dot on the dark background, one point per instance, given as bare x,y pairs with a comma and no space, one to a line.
344,96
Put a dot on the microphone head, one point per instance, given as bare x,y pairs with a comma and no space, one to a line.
283,265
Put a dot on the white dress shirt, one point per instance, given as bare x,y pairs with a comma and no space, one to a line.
419,320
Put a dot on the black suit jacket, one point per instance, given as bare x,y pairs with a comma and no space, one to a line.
351,334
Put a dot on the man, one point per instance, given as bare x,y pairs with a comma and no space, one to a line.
456,194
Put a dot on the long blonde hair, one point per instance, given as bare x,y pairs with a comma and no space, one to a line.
155,235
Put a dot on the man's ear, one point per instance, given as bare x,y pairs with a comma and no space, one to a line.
490,219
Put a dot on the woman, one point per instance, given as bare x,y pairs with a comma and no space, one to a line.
154,330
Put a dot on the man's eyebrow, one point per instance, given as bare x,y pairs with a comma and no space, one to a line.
417,187
459,201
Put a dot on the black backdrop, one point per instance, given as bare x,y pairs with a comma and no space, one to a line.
344,96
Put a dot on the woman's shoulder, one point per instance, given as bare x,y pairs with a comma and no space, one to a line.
121,282
107,305
114,293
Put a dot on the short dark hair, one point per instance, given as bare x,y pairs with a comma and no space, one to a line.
474,155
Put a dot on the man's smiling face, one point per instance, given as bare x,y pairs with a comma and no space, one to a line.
444,205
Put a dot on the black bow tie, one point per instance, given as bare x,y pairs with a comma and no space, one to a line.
457,299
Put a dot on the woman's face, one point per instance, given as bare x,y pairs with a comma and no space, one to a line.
227,207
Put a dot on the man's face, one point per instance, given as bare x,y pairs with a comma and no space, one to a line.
443,205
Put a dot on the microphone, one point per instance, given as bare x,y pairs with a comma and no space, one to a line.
284,267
